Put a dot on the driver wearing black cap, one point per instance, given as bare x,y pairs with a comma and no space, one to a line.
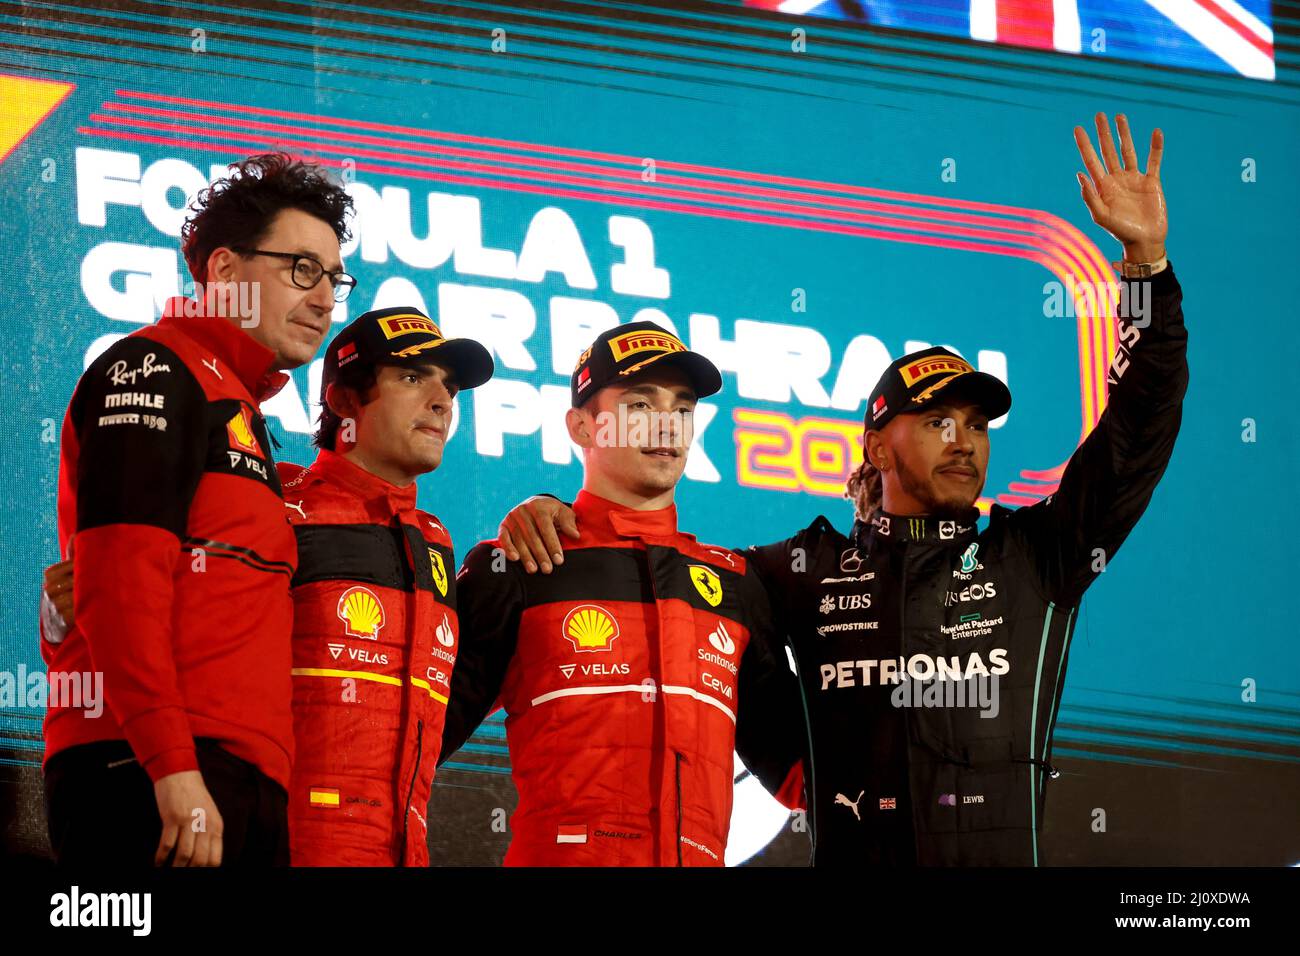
632,675
375,630
931,653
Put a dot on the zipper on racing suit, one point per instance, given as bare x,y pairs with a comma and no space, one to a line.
410,791
1047,769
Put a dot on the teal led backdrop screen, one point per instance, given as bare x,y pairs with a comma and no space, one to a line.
802,192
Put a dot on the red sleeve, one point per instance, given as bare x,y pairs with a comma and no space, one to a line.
142,446
122,589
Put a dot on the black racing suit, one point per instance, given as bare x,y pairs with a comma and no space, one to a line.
943,785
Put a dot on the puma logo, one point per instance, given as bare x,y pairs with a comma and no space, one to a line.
841,800
297,508
213,366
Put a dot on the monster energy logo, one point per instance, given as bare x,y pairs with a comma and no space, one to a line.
916,527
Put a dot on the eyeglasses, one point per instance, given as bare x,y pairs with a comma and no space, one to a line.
307,272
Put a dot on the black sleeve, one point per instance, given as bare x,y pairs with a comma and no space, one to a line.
139,416
774,565
489,603
1110,478
771,733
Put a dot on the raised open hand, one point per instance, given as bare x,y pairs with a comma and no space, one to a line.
1123,200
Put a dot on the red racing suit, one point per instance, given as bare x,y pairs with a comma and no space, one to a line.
374,641
629,675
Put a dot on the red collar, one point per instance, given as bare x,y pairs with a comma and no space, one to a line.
596,513
248,359
369,488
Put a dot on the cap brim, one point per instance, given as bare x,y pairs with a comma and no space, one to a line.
704,375
984,389
468,360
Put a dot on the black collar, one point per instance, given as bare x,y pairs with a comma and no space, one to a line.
884,528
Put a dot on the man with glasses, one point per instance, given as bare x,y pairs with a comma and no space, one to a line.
307,271
183,556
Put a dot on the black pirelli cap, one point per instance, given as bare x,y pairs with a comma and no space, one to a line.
919,380
625,350
403,335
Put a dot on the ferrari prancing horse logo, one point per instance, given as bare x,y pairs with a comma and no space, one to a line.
439,571
706,581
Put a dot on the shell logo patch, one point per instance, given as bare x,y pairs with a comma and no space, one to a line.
361,612
240,432
439,571
708,583
590,628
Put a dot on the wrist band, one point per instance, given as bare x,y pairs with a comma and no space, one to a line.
1140,270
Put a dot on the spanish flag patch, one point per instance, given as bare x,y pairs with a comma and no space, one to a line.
320,797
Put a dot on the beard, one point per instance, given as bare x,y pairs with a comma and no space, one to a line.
953,506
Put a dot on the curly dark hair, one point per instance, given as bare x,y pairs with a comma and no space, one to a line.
864,489
238,210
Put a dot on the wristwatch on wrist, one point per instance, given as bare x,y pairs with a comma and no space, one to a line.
1140,270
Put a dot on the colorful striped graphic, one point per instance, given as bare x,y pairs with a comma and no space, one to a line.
458,159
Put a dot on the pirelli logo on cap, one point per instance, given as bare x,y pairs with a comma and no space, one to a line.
402,324
630,343
913,372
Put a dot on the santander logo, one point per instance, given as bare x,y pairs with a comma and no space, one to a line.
721,640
